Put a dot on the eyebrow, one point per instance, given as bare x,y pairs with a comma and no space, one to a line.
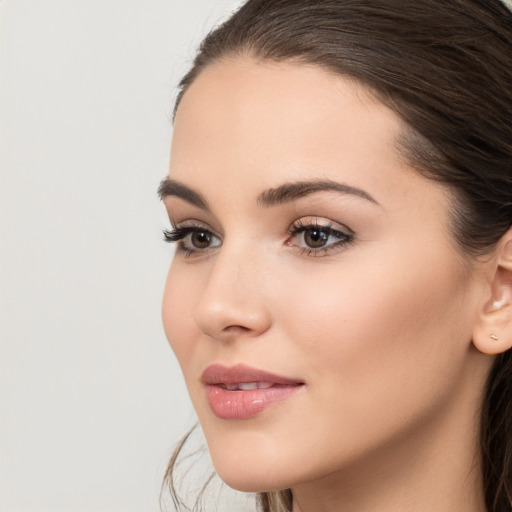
170,187
283,194
290,191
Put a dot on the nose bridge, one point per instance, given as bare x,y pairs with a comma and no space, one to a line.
232,301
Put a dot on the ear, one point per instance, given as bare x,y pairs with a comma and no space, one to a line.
493,332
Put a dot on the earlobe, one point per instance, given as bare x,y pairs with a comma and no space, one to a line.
493,332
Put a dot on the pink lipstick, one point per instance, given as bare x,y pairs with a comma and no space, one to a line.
241,392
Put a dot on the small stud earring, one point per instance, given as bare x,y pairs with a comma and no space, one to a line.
497,304
494,337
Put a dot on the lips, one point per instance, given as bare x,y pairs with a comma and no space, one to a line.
241,392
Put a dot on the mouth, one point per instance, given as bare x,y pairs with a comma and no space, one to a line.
241,392
247,386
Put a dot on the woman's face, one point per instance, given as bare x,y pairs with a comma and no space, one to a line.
316,302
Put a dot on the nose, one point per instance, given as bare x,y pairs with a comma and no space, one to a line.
232,304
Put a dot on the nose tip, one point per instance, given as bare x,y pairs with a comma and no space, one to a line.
232,303
226,318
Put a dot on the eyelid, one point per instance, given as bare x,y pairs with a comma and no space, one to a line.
180,231
191,223
343,236
320,223
343,233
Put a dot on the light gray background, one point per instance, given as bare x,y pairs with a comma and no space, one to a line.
92,400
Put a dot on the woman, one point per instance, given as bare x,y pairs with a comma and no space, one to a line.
340,300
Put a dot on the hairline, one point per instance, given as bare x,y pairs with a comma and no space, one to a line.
410,144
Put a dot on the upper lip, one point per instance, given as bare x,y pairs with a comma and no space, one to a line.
240,373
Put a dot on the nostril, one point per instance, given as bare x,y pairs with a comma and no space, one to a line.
227,312
236,329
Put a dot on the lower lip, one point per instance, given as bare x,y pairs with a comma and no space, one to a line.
240,405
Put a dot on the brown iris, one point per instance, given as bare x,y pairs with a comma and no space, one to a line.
200,239
315,238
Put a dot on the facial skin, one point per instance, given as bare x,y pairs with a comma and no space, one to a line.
378,328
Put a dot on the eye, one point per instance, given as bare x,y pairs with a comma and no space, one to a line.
317,239
192,239
200,239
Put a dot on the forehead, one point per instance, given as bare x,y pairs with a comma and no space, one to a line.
264,123
263,96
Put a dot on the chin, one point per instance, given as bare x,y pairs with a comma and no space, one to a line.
251,481
250,472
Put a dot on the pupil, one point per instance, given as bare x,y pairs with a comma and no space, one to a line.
315,238
200,239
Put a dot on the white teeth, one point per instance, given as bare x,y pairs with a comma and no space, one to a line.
248,386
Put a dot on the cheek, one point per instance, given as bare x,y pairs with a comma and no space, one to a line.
177,303
382,305
379,342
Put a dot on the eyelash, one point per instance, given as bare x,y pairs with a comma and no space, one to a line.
178,234
345,237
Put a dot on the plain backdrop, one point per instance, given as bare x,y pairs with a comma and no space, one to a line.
92,401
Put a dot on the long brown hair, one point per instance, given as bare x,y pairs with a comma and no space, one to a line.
445,68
